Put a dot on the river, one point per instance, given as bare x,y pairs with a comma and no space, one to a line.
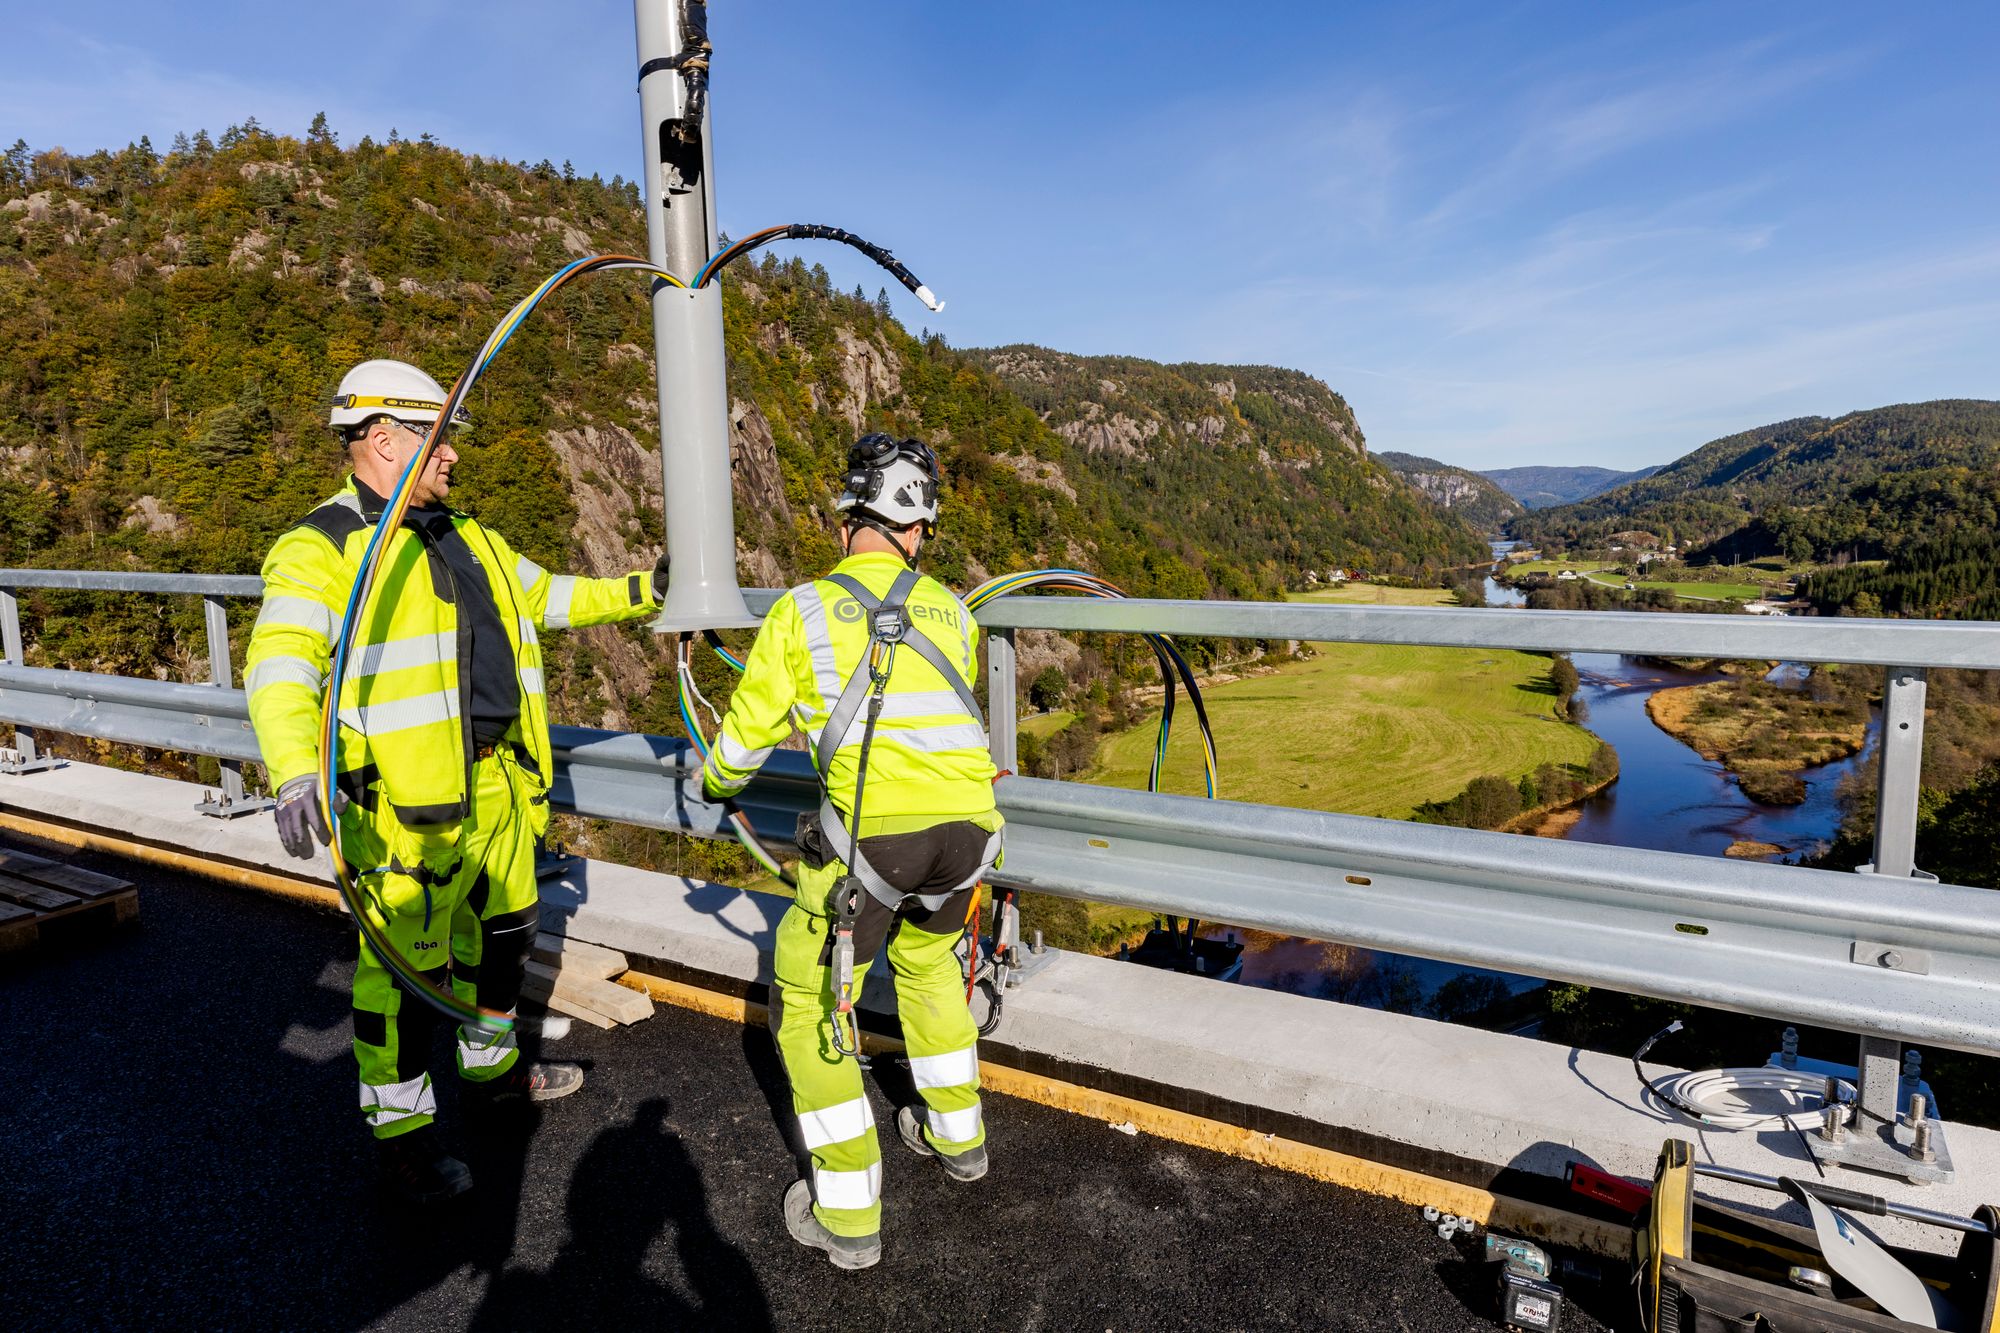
1668,799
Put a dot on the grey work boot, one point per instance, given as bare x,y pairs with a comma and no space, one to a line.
968,1165
542,1081
844,1251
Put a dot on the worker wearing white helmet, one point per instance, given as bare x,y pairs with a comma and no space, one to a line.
876,662
444,750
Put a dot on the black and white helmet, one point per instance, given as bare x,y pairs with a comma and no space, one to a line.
894,482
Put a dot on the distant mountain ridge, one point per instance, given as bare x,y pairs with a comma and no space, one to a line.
1811,489
1542,487
1471,495
1263,463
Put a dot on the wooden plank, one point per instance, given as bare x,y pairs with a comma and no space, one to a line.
627,1006
576,958
583,1012
70,879
15,860
34,895
541,990
8,912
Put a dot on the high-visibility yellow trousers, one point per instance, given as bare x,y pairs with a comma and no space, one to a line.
476,929
835,1120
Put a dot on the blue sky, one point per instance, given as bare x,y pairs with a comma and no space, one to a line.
1508,233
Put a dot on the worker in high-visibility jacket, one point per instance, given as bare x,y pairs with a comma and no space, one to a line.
875,664
444,752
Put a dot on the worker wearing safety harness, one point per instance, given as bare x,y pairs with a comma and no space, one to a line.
444,752
875,663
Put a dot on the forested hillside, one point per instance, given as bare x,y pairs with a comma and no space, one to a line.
1807,490
1266,463
171,326
1467,494
1540,487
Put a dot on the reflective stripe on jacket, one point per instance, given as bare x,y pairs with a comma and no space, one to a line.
928,758
404,720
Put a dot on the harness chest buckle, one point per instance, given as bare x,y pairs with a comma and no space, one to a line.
889,624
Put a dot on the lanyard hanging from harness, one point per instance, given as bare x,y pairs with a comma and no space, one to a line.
889,628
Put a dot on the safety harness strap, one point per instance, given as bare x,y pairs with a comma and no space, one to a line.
880,610
848,849
920,643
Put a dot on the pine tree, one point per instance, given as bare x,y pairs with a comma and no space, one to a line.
181,146
204,147
320,137
14,166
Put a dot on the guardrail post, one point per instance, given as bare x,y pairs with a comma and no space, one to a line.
1003,712
1902,772
1878,1088
25,759
230,802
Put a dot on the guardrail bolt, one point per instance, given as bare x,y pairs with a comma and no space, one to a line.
1788,1045
1890,958
1920,1108
1036,946
1920,1143
1834,1127
1913,1069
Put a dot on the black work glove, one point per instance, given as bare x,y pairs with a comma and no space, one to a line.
660,578
299,819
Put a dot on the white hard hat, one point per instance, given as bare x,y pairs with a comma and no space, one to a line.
389,389
895,481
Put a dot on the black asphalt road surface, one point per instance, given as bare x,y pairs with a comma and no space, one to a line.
182,1150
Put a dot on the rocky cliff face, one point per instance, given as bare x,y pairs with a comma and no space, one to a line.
1266,462
1473,497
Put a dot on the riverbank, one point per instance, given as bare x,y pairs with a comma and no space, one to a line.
1765,734
1555,821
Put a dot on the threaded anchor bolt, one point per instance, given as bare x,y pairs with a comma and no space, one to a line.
1920,1145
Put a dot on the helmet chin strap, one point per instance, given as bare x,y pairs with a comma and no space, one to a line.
857,521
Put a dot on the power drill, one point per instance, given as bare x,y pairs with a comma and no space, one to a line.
1529,1302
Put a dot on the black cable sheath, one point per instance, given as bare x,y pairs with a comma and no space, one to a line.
813,231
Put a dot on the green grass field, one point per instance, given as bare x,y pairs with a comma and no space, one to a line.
1363,729
1044,725
1370,594
1524,568
1697,592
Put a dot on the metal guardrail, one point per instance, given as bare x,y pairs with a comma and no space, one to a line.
1891,955
1902,643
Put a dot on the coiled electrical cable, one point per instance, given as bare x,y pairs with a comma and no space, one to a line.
362,903
1712,1097
1172,664
690,695
813,231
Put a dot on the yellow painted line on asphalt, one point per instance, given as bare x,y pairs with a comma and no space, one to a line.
1515,1216
298,890
1498,1211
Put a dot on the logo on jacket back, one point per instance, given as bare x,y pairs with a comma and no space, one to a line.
847,611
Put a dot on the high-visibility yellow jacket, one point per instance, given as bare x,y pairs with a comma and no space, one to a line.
404,716
928,762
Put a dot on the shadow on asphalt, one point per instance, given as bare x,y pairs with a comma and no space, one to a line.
184,1150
